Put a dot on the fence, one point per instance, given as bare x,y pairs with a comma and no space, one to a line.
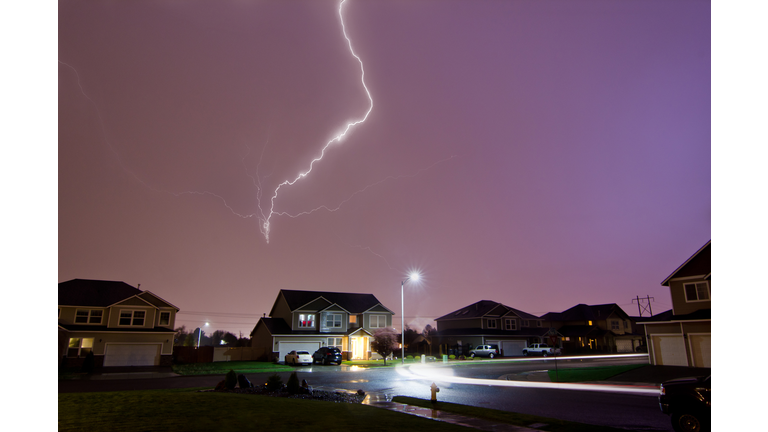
208,354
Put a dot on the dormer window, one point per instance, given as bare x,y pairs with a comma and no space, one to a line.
132,318
491,323
306,320
510,324
333,320
696,291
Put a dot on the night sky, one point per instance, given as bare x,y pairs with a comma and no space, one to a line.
537,153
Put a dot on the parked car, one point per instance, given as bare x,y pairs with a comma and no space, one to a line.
490,351
327,355
687,401
298,357
540,349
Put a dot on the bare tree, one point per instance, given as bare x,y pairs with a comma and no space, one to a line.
384,342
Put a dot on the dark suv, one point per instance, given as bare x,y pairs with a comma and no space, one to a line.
687,401
327,355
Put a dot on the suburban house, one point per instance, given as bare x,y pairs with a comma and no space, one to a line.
595,328
121,325
682,336
308,320
489,322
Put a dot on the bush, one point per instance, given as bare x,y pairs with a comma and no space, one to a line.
293,383
274,383
230,380
452,357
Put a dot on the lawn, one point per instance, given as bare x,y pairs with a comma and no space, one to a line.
221,368
191,410
552,425
585,374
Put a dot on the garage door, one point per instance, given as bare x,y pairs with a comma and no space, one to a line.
701,348
132,355
669,350
624,345
512,348
286,347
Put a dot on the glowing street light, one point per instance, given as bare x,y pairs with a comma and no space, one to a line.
198,335
414,277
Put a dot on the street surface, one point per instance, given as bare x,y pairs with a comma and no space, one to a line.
628,411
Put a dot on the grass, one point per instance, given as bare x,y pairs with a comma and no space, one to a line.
525,420
598,373
189,410
220,368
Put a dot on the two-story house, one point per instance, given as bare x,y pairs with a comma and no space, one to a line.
489,322
308,320
682,336
595,328
121,325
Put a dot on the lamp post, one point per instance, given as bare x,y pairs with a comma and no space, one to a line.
198,335
414,277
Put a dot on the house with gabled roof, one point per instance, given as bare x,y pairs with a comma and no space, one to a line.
682,336
595,328
489,322
308,320
120,324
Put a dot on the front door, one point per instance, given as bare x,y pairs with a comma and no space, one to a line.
359,347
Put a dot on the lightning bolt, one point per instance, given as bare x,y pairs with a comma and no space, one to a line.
265,227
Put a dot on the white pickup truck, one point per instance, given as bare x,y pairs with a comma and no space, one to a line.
541,349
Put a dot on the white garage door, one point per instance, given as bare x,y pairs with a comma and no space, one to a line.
701,348
132,355
286,347
512,348
624,345
669,350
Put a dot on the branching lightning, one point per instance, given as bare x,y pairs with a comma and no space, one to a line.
265,227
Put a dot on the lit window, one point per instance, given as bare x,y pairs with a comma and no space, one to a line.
589,322
353,319
79,347
696,291
306,320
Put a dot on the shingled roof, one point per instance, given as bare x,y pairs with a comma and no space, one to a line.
700,263
482,308
583,312
97,293
351,302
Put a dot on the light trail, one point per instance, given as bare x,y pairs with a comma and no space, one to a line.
265,227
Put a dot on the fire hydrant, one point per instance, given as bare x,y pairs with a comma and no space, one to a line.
434,392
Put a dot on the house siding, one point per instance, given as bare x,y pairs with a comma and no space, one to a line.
680,305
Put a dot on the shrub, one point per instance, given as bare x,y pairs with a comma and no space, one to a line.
274,383
230,380
293,383
452,357
243,381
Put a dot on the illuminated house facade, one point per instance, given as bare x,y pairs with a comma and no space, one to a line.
121,325
308,320
604,328
682,336
489,322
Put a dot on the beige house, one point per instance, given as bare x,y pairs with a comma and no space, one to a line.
604,328
308,320
682,336
121,325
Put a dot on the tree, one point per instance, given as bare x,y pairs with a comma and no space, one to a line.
384,342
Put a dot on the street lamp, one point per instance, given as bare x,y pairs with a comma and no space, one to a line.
414,277
198,335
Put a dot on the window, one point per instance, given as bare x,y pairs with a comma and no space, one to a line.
306,320
526,323
696,291
353,319
79,347
491,323
378,321
510,324
626,325
589,322
538,323
165,318
131,318
334,342
333,320
88,316
614,325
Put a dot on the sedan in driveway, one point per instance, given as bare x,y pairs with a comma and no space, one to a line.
298,357
327,355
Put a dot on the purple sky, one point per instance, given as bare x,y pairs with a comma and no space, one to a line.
536,153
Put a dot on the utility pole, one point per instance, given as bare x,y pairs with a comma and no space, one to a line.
643,307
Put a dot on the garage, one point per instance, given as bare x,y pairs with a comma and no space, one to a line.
701,349
512,348
669,350
624,345
286,347
118,354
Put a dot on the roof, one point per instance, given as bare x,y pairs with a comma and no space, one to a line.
98,293
105,329
494,332
274,325
668,316
700,263
351,302
101,293
481,309
582,312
